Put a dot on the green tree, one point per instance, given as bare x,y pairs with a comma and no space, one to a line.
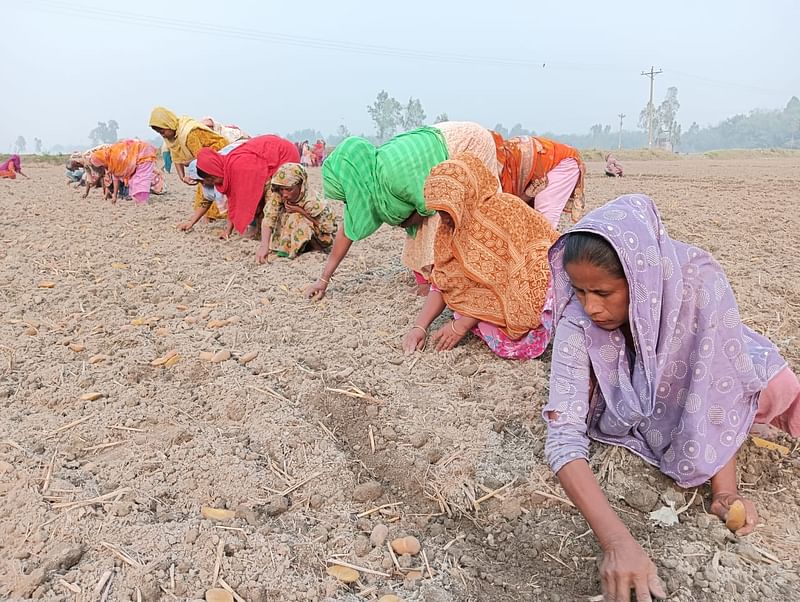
20,144
37,146
386,113
498,127
341,133
441,117
413,115
666,129
518,130
105,132
309,134
644,116
669,130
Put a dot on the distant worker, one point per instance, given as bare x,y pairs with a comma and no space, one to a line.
11,167
613,167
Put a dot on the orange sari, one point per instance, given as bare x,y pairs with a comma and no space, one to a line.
525,162
490,257
122,158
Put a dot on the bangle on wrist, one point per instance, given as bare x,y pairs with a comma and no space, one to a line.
325,280
425,330
453,326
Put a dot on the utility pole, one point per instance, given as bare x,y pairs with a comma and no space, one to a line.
621,117
651,74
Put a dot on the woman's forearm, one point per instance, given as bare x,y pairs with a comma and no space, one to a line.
433,307
582,488
725,480
198,214
341,246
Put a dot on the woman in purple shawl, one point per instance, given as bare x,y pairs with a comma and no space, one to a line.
650,353
11,167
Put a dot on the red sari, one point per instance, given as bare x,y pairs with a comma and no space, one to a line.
245,172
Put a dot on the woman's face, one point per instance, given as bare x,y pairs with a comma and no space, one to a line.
165,133
289,194
604,296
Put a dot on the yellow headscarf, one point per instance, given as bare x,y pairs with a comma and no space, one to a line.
163,118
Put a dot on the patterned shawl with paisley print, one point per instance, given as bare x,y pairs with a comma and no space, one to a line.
490,257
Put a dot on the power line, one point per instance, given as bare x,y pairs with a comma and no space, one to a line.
59,7
651,74
127,18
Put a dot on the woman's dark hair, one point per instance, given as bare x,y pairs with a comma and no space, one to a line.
203,175
592,249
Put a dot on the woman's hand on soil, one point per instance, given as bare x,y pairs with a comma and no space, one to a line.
721,505
446,337
188,180
626,566
262,253
316,291
185,226
414,341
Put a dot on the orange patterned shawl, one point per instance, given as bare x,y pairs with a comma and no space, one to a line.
490,258
525,162
122,158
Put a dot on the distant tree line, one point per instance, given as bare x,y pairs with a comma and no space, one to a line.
760,128
778,128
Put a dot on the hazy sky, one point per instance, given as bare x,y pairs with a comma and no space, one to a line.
280,66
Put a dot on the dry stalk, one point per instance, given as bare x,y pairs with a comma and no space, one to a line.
231,591
217,561
101,499
104,446
104,579
378,509
121,554
70,586
300,484
271,392
49,472
327,431
126,428
357,568
394,558
427,565
493,493
69,425
556,498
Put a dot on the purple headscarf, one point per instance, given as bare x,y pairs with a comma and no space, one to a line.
12,160
689,400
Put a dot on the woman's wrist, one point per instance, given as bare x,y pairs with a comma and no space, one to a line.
613,535
455,330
